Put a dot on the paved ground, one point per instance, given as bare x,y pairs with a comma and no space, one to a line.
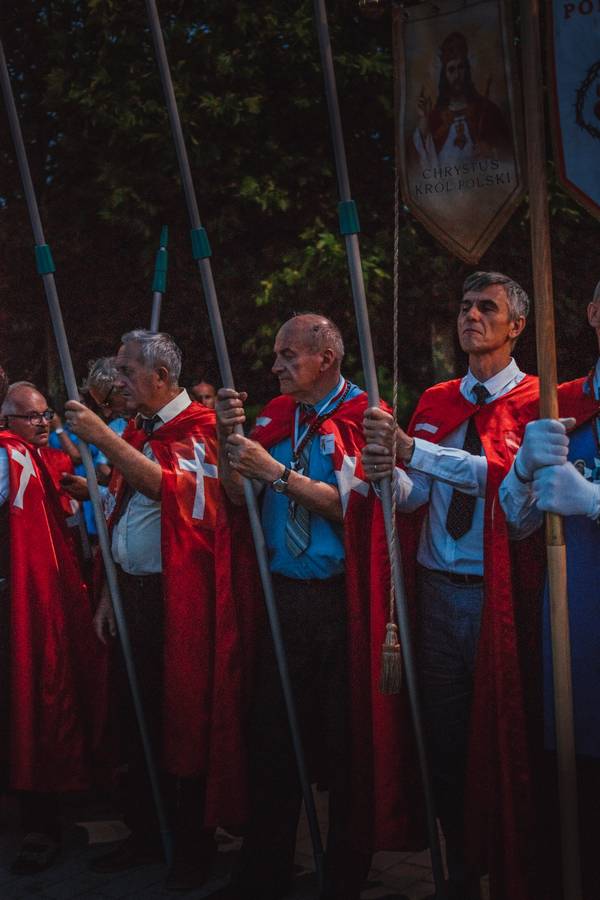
90,830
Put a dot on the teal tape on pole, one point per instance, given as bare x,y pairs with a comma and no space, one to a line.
160,271
43,259
348,214
200,246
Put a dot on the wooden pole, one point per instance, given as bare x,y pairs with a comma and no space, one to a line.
546,353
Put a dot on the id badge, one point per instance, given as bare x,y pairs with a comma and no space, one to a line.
327,444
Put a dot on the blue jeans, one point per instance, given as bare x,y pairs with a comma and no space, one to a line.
449,618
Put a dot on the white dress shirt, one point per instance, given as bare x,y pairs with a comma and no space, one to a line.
136,536
517,499
435,470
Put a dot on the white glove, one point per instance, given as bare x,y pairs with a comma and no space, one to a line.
563,490
545,444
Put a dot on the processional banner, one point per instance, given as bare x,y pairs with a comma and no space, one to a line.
458,120
574,68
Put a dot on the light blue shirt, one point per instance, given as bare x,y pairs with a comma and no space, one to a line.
88,509
517,499
324,556
435,470
136,536
118,426
4,476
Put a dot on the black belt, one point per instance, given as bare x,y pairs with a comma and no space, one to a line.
140,579
460,577
309,582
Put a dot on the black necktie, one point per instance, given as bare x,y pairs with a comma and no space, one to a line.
149,424
462,506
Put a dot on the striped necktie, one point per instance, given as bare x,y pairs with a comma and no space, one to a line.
297,526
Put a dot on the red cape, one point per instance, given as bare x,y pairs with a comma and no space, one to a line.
56,709
384,779
504,732
186,451
57,462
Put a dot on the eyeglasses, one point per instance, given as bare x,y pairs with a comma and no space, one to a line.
34,418
106,400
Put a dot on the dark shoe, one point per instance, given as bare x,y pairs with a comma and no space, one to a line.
456,891
185,875
234,892
129,854
229,892
38,852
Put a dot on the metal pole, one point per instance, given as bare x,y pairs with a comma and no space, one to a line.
202,253
45,266
546,354
159,284
349,228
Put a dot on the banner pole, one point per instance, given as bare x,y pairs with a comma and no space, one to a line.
546,354
46,268
202,253
159,284
349,227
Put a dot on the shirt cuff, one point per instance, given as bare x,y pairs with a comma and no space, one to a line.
514,489
424,455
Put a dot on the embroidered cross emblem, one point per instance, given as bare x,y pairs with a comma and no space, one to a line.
203,470
27,471
347,481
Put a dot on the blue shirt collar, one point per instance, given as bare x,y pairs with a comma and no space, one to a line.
324,400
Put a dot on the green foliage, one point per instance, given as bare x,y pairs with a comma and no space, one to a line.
250,91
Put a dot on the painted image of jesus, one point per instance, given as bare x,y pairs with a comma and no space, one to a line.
464,125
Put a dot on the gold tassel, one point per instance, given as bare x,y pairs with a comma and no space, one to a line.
391,662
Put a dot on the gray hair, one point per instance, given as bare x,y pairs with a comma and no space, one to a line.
9,405
518,301
156,348
596,296
101,375
322,333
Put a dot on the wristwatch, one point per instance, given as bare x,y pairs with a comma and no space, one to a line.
280,484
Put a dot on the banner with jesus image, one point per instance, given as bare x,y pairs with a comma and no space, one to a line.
458,120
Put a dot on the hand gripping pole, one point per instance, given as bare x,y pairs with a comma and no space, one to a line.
202,253
45,267
349,228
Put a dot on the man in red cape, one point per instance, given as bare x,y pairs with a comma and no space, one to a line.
162,510
478,596
332,590
52,710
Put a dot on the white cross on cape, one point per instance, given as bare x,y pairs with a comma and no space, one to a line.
347,481
203,470
27,471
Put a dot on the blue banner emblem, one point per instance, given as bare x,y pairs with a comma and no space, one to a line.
574,59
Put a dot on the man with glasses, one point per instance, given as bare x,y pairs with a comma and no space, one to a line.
48,654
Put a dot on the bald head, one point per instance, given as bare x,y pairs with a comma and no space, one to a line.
23,407
308,355
318,332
